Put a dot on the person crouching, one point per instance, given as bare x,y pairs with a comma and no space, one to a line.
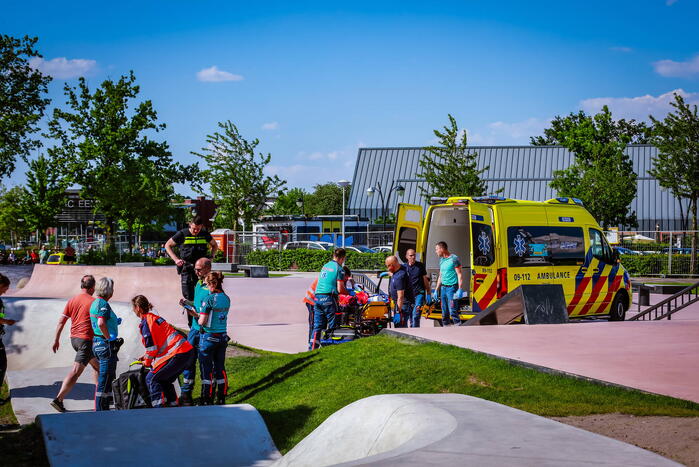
213,318
167,353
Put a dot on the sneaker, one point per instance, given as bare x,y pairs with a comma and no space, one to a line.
58,405
186,399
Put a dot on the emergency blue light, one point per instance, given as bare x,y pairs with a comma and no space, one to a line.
578,201
562,200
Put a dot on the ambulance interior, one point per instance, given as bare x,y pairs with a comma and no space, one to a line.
449,224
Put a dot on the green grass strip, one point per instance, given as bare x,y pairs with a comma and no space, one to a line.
295,393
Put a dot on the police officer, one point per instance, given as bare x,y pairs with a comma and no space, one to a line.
202,268
330,283
193,242
419,283
400,291
167,353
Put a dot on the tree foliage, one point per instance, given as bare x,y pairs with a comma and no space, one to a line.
235,176
285,204
601,174
11,213
326,200
43,195
677,165
449,169
104,147
21,100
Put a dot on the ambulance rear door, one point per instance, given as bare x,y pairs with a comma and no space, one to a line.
483,269
408,232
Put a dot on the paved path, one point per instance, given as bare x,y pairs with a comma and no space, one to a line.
655,356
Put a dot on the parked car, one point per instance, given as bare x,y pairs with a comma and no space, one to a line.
308,245
627,251
383,249
55,258
360,249
677,251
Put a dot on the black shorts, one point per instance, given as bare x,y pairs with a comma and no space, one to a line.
83,350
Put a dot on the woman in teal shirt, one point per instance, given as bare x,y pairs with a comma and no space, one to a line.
105,325
213,319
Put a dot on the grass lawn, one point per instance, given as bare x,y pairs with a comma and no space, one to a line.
295,393
18,446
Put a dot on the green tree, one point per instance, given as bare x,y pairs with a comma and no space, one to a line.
326,199
601,174
44,194
12,225
286,202
21,100
235,175
104,148
449,169
677,165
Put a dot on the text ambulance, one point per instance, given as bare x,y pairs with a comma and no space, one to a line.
504,243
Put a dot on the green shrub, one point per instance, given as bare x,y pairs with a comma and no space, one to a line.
649,265
110,256
313,260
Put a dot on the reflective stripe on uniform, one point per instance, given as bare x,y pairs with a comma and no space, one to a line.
195,241
206,381
220,381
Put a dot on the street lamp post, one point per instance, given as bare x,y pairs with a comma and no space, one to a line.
301,204
343,184
399,189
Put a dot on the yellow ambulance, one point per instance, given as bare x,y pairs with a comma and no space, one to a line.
504,243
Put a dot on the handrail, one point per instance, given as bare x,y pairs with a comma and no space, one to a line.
671,303
366,282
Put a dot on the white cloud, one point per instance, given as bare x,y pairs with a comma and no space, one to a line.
62,68
517,132
622,49
214,75
639,107
318,155
673,69
270,126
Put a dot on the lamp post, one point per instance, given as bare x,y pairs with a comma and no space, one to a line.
399,189
343,184
301,204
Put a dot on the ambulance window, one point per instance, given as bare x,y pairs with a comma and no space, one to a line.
566,246
407,239
483,247
545,246
600,248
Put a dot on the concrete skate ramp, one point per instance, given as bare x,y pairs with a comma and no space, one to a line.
454,429
231,435
253,301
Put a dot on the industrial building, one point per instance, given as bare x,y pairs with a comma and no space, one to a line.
523,172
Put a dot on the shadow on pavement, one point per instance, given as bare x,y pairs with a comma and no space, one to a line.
80,392
277,376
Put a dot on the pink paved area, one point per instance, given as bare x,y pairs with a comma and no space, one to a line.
654,356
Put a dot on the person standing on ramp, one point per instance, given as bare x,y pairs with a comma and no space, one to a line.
193,243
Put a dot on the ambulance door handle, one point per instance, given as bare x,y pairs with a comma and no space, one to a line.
479,281
595,270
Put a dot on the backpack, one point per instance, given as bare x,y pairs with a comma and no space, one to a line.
130,390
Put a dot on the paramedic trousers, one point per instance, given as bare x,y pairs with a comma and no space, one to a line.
162,391
212,357
106,354
311,314
415,317
3,361
188,280
190,373
449,307
323,316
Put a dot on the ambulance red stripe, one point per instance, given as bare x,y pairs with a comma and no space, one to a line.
578,293
593,296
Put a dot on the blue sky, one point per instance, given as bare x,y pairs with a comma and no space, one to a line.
316,81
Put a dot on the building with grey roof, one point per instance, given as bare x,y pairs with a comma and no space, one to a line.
523,172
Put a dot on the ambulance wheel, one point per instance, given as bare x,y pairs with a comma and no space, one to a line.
437,323
618,311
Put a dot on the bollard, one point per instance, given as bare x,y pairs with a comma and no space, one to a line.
644,295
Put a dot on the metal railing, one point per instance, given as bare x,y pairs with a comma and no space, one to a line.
670,306
656,253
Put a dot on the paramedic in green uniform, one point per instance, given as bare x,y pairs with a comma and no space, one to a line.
330,283
193,243
451,282
202,268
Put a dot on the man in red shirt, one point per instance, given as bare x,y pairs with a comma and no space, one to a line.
78,310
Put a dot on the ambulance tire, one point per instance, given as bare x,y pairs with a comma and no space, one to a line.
618,311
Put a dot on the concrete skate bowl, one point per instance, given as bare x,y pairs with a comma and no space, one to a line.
253,301
454,429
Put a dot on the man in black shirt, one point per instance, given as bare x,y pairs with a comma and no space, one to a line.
193,243
419,283
400,291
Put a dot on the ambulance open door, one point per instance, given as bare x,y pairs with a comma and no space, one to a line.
408,231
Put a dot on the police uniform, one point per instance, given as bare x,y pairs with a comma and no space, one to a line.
192,248
168,353
326,299
401,281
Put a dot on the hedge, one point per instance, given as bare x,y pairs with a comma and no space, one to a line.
111,257
645,265
313,260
